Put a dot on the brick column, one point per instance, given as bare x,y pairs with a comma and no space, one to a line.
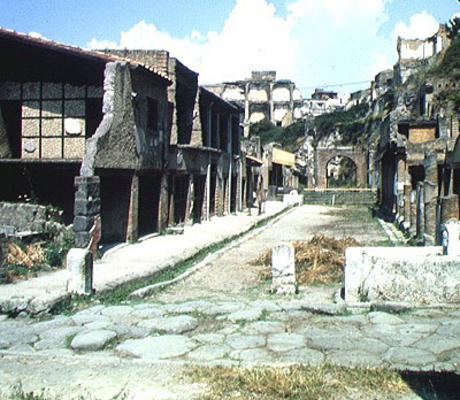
172,188
163,206
87,208
190,201
430,196
132,231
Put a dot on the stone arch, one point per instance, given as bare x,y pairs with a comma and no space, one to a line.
324,154
341,171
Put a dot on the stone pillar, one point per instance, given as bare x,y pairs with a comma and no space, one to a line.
132,231
420,204
430,196
163,206
283,269
87,208
80,271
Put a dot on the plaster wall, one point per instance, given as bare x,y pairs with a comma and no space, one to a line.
281,94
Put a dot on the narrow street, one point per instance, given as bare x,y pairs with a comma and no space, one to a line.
224,315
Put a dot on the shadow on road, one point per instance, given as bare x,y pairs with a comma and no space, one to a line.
434,386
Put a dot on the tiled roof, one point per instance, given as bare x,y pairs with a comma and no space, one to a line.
74,50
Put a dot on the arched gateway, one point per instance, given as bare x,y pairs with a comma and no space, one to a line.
325,154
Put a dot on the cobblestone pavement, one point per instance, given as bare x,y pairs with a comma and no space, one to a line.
215,319
246,333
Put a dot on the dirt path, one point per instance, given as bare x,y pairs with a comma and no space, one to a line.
231,276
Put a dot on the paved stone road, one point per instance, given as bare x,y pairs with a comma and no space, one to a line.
243,333
215,318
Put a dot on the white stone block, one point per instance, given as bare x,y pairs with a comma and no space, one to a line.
283,269
80,271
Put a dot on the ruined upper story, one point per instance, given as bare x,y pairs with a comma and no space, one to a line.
182,93
56,99
419,49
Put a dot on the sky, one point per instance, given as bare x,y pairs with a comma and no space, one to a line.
333,44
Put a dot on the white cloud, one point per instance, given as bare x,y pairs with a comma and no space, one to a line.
420,26
37,35
318,41
101,44
252,38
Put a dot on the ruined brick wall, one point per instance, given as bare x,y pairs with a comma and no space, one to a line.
159,59
324,155
420,135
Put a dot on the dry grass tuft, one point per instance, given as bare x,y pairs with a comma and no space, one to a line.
297,382
318,260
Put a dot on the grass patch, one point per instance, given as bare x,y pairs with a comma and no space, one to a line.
19,393
320,260
296,382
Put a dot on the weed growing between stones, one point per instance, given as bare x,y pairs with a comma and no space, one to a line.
297,382
19,393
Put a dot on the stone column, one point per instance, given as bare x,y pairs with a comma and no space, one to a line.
87,208
132,231
430,196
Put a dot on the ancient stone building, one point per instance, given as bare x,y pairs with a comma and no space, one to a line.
205,170
413,53
263,97
70,116
417,185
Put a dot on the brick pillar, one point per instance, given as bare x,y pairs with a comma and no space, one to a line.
407,205
239,187
163,206
207,195
430,196
420,204
190,201
401,180
413,213
449,208
132,231
87,208
172,188
219,195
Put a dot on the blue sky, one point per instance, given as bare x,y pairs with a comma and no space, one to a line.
312,42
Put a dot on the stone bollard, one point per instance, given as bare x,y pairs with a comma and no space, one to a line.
80,271
450,234
283,269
